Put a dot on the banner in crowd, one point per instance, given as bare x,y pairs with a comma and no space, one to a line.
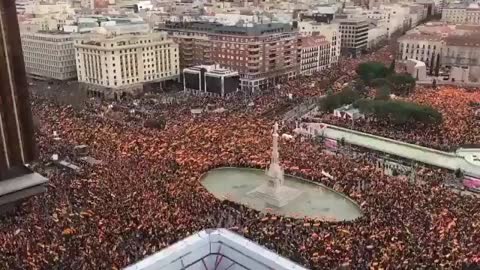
331,144
471,183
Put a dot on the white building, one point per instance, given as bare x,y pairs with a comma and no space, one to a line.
457,46
120,64
395,16
461,14
49,55
377,33
420,47
354,35
331,32
315,55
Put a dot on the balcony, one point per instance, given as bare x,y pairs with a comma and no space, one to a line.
255,48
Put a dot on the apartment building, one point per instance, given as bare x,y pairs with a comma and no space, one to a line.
457,46
263,54
117,65
461,14
49,55
330,31
354,33
421,47
315,54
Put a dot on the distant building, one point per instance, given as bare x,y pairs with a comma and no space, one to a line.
377,34
210,80
461,14
420,47
331,32
116,65
49,55
262,54
354,36
455,46
315,54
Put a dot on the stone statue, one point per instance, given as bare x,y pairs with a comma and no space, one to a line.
275,171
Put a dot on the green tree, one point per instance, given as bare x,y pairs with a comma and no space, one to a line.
437,66
335,100
398,112
402,84
431,65
382,93
391,69
371,70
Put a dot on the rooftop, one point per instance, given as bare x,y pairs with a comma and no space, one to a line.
218,249
248,29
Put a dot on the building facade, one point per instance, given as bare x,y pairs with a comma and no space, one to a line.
17,143
120,64
315,55
461,14
354,36
262,54
331,32
420,47
456,47
49,55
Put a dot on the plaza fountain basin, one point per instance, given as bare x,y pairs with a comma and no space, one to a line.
316,201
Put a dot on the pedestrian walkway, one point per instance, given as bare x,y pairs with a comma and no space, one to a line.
447,160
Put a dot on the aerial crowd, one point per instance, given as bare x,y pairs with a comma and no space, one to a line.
146,194
460,125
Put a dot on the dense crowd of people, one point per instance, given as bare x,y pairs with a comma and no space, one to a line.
460,121
146,194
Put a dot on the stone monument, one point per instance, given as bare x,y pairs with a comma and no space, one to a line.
274,192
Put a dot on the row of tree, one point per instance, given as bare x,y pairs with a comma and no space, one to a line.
378,75
333,101
397,111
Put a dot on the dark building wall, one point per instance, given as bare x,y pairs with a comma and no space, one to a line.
16,128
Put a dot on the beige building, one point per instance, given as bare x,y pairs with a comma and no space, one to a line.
115,65
420,47
460,14
262,53
330,31
457,47
49,55
315,55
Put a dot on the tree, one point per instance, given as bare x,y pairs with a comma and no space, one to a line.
402,84
336,100
437,67
458,173
391,69
360,88
371,70
431,65
382,93
399,112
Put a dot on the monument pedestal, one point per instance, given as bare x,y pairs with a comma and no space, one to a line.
274,192
277,197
